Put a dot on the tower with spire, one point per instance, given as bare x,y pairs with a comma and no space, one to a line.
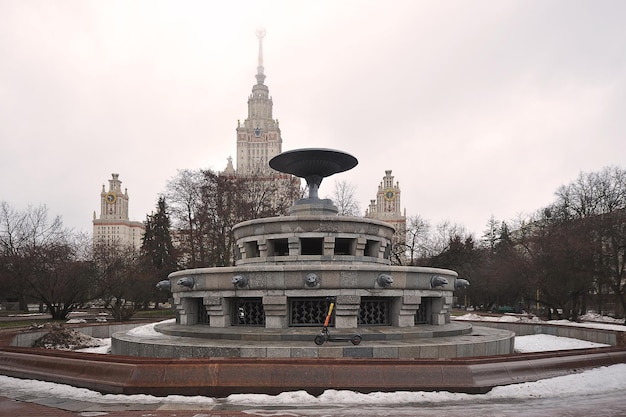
258,137
258,141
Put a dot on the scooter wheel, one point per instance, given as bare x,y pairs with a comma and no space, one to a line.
356,339
319,340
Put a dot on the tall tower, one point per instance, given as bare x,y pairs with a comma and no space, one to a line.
113,225
386,207
258,138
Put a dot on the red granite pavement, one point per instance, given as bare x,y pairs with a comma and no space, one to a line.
15,408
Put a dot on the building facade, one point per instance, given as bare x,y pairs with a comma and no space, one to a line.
258,137
113,227
386,207
259,140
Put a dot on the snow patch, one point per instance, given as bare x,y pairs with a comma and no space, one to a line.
546,342
148,330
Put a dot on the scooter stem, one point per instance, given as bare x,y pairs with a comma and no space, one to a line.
330,312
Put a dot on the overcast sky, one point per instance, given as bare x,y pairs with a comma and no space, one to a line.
480,108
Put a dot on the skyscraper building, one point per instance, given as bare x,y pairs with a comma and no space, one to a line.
259,140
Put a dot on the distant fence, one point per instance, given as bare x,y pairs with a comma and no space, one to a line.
608,337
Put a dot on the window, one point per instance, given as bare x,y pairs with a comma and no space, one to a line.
345,246
311,246
278,247
371,248
252,249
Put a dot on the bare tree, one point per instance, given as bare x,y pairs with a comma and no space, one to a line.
205,205
120,283
184,197
444,233
42,261
345,199
598,201
417,239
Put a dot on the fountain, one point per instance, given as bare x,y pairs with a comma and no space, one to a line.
262,326
253,327
274,301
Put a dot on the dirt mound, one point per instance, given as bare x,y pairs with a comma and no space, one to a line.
63,338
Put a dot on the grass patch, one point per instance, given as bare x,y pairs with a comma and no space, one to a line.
152,314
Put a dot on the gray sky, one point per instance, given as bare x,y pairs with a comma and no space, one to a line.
480,108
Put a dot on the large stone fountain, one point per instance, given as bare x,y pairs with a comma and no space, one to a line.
255,327
273,302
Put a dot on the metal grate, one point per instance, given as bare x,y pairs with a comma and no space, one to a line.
248,312
309,311
423,313
203,316
374,312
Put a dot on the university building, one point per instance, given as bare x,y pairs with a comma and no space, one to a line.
259,140
113,226
386,207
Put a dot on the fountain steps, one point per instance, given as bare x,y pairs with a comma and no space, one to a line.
454,340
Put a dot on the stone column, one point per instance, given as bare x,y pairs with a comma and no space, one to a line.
408,307
360,246
383,249
187,309
347,311
438,316
218,311
275,307
262,248
447,306
294,245
182,308
329,246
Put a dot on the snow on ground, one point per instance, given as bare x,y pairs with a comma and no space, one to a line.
546,342
605,379
594,381
589,320
105,347
594,317
148,329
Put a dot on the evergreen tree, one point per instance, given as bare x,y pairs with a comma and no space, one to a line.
157,247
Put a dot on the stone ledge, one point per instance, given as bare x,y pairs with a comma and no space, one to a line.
591,334
222,377
368,333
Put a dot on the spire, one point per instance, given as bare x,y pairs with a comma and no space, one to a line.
260,77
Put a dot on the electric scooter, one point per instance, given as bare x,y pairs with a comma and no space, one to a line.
325,335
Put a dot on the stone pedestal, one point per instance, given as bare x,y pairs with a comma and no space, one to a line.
218,313
275,307
408,307
347,311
